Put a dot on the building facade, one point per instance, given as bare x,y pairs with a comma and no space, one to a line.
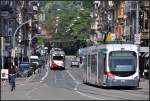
123,18
7,27
12,14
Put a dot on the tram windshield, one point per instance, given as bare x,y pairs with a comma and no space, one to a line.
57,57
122,62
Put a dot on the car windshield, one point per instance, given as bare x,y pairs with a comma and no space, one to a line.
34,60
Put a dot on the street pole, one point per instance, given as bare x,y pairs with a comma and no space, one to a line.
29,46
14,35
137,18
30,25
2,52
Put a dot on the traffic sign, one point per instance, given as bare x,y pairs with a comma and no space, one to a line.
137,38
13,53
4,73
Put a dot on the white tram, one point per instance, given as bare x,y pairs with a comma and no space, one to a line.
111,65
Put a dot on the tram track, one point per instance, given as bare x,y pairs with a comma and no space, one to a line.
124,95
107,93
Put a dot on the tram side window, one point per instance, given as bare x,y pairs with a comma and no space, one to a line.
104,61
93,63
89,60
85,63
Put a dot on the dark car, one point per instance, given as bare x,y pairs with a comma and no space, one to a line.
25,69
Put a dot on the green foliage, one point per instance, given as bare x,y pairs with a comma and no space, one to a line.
40,40
69,11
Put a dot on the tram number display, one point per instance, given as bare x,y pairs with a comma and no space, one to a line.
122,54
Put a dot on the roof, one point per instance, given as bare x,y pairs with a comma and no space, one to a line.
34,57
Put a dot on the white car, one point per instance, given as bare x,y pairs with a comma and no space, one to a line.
34,59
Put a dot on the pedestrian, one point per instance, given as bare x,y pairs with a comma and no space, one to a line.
43,63
12,78
141,62
39,69
34,66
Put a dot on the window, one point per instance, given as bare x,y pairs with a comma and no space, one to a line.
122,62
93,63
146,24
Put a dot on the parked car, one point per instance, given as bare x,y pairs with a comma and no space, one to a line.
25,69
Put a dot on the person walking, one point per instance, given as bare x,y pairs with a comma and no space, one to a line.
141,67
12,78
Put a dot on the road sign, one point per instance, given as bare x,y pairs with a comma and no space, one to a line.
13,53
113,37
4,73
137,38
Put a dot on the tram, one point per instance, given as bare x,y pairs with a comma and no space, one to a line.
113,64
57,59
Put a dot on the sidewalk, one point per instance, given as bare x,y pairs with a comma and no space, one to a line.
21,91
18,81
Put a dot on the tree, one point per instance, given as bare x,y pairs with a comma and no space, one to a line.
69,11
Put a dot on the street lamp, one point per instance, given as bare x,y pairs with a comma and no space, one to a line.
14,35
57,20
75,20
78,17
58,9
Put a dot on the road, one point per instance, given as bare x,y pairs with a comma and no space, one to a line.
67,85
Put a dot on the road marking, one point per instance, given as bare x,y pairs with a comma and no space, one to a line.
76,88
28,93
46,74
31,77
55,77
20,84
83,94
72,76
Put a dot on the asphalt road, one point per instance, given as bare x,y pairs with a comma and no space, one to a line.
67,85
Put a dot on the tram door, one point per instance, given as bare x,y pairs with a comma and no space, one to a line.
84,68
100,67
88,68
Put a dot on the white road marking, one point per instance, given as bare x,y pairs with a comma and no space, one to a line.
31,77
28,93
55,78
72,76
83,94
46,74
20,84
76,88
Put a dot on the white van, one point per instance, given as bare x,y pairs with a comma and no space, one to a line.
34,59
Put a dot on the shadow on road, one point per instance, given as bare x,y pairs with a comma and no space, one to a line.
115,87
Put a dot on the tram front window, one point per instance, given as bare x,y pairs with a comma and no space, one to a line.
58,57
122,63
